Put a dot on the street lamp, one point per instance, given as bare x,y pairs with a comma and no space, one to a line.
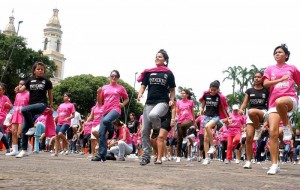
126,113
12,50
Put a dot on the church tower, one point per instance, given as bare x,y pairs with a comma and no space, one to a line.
52,45
10,27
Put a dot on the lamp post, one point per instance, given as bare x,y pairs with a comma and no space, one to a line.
12,50
126,113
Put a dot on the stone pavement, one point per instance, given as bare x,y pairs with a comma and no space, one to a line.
41,171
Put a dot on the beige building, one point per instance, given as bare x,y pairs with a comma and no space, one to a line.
52,45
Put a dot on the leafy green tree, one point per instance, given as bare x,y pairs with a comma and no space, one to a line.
16,61
84,93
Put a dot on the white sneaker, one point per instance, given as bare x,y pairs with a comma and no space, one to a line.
257,134
178,159
163,159
237,161
30,131
62,152
188,159
211,150
22,154
199,159
206,161
273,169
262,154
12,153
66,153
1,135
247,165
226,161
286,133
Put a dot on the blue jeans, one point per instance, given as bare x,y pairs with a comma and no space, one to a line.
106,126
286,152
29,112
296,153
40,129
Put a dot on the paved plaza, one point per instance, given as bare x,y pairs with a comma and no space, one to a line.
41,171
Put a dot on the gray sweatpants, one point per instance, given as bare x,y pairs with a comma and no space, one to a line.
151,119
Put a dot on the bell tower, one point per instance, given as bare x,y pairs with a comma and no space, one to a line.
52,45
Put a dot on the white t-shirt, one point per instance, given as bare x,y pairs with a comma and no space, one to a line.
76,119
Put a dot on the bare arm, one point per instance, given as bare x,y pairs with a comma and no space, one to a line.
141,92
244,104
172,96
50,96
268,83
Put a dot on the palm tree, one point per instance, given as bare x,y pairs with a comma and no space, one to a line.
232,74
243,78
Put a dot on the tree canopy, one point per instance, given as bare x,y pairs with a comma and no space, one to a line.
16,61
84,93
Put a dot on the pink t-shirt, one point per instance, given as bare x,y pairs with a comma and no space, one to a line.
3,107
284,88
237,123
42,118
65,110
98,113
111,95
128,137
88,127
184,110
223,133
200,119
21,100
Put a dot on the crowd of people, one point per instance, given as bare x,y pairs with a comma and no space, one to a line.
168,129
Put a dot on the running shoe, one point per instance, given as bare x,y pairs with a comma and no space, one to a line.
206,161
274,169
144,162
286,133
247,165
257,134
30,131
211,150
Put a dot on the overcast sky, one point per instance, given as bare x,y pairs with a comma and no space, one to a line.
202,38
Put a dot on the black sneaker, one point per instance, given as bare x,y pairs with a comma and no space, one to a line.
96,158
144,162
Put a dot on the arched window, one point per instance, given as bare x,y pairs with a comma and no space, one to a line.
45,43
58,46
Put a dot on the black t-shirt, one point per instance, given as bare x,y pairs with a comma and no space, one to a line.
212,104
258,98
133,125
296,141
38,88
158,84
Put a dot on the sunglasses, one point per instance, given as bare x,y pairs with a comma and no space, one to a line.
114,76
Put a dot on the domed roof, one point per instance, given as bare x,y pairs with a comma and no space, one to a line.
10,28
53,21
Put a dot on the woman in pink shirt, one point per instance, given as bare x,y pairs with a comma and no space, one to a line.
95,117
123,145
109,96
65,113
199,122
185,118
21,100
234,126
5,106
280,78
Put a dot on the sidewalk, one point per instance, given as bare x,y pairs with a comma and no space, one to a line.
41,171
